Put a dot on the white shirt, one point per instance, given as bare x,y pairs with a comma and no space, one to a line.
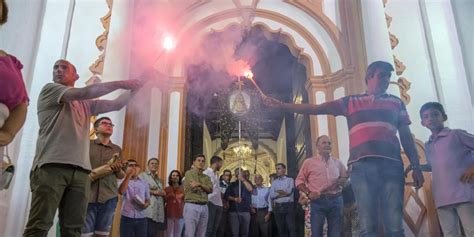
215,196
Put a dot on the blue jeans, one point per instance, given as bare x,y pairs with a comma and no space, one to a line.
379,181
131,227
99,217
330,209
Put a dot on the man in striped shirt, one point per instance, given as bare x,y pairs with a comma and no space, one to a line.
373,118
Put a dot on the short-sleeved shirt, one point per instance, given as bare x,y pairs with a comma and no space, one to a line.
104,188
12,90
63,128
319,175
174,202
373,123
196,195
233,191
156,210
450,154
137,188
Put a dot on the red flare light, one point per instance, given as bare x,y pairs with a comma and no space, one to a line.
169,43
248,74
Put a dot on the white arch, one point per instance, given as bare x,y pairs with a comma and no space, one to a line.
302,18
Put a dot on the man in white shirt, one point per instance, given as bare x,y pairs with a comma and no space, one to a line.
215,199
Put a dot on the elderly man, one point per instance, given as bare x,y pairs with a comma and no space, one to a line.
321,179
60,171
261,209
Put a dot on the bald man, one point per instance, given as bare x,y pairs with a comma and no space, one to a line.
60,173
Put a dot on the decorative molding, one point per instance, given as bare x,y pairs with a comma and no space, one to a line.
315,9
403,85
393,40
399,66
388,19
101,42
402,82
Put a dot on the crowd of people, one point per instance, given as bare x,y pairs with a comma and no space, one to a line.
356,201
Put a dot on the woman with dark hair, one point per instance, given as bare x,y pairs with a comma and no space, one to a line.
174,204
13,96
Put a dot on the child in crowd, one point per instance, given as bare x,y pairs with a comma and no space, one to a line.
450,157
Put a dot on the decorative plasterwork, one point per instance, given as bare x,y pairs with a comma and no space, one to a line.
388,19
404,86
247,12
332,80
101,42
402,82
393,40
315,9
399,66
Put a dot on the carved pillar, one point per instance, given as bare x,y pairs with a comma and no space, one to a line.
135,136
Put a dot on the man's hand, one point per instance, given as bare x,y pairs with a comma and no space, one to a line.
267,217
281,192
272,102
130,172
237,199
132,84
116,166
468,176
146,204
418,178
253,210
314,195
342,181
195,184
157,193
304,199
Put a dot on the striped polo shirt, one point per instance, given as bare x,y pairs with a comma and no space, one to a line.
373,123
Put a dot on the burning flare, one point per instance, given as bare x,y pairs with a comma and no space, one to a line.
169,43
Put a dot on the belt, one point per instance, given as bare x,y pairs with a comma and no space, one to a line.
198,203
65,166
330,196
262,209
277,204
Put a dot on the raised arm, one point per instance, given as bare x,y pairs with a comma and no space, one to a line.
104,106
331,107
124,185
99,89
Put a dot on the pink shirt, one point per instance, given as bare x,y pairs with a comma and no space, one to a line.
318,174
12,89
